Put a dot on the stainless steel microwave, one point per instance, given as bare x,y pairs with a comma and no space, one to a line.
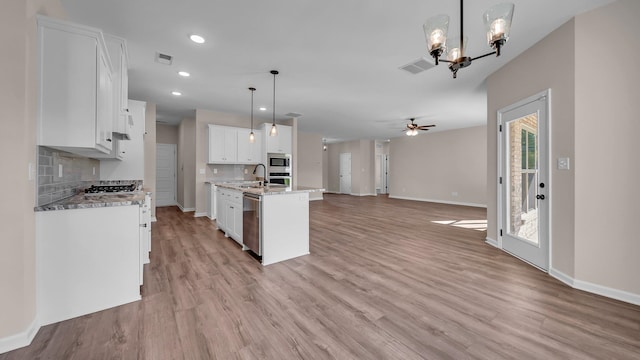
279,161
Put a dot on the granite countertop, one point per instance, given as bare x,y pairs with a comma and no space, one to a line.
82,201
270,189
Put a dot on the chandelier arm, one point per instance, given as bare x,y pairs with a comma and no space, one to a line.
447,61
481,56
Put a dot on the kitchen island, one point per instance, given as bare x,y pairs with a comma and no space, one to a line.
272,221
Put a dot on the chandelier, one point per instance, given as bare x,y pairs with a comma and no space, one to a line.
497,23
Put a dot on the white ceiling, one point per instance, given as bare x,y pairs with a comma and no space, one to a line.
338,59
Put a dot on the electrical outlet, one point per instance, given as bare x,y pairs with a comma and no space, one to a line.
94,170
202,172
59,170
215,171
454,193
246,171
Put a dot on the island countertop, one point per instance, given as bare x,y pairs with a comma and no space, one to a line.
84,201
269,189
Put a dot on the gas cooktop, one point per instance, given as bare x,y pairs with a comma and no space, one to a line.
110,189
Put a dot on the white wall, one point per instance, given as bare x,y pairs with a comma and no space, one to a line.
166,134
444,166
186,196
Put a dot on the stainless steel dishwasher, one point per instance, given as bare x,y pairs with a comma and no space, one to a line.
251,224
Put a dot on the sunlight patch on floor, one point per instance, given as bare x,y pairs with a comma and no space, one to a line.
480,225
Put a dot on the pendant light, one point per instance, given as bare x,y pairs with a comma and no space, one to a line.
252,136
274,131
497,22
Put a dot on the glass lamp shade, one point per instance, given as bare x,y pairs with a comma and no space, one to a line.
252,137
273,131
435,31
497,23
455,51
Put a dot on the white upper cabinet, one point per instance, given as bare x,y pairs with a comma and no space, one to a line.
249,152
223,144
230,145
281,143
75,111
117,48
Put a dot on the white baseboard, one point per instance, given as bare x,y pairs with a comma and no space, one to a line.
154,219
597,289
438,201
315,199
183,209
19,340
492,242
199,214
369,194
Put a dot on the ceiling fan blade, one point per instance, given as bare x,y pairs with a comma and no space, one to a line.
425,126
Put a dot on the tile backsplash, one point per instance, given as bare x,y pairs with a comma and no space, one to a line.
61,174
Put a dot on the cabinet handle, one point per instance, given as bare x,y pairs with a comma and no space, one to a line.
143,225
109,140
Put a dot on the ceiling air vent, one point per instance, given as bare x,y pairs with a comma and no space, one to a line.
164,58
293,115
417,66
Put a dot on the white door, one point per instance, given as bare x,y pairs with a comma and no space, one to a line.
385,174
524,188
345,173
166,182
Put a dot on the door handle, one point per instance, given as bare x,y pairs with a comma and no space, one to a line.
540,197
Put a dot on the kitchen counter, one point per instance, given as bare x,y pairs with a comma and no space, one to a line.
269,189
83,201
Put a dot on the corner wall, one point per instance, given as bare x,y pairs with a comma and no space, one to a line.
362,166
18,101
606,141
186,197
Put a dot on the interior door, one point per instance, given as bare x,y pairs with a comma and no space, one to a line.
524,204
166,182
345,173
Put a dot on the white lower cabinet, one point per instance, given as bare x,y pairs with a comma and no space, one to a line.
229,214
145,234
87,260
212,205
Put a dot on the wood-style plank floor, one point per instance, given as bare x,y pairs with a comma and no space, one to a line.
386,279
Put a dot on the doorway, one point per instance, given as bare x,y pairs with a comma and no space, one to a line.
382,174
345,173
523,204
166,182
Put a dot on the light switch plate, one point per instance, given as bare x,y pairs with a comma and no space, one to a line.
563,163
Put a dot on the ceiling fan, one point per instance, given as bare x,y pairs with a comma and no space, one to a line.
412,128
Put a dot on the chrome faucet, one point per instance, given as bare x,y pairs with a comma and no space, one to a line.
265,171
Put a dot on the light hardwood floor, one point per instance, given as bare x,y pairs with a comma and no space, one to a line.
383,281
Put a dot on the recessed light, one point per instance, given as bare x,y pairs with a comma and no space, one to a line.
176,93
184,73
263,109
197,39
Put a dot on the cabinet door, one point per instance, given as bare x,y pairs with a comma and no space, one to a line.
237,222
230,145
281,143
284,139
223,145
216,144
221,209
230,220
104,111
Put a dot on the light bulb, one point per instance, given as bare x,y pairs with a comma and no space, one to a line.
437,38
252,137
409,132
498,28
273,131
455,54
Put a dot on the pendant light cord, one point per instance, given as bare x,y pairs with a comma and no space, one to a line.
273,124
